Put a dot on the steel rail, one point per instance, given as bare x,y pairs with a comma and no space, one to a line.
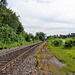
18,57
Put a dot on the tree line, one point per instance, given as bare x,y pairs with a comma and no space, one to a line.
11,30
70,35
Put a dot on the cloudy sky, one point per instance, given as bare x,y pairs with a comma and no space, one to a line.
48,16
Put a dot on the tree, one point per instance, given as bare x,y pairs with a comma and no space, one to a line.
36,37
7,16
11,29
41,35
3,2
28,38
19,29
7,35
31,36
50,37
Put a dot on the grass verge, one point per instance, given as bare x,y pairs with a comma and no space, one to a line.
65,55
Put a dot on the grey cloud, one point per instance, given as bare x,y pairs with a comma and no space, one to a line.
47,16
42,1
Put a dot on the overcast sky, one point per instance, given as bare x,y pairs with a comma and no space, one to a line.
48,16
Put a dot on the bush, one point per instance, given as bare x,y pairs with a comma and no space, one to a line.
69,43
57,42
74,42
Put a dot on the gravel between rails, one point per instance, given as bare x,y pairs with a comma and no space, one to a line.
28,66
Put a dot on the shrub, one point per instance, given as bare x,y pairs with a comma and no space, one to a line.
74,42
69,43
57,42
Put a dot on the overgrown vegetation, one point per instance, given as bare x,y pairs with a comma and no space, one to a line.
44,55
57,42
65,51
12,33
38,56
69,43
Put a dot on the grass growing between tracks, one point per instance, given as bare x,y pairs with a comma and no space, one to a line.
65,55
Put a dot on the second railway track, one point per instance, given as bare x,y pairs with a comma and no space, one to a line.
10,60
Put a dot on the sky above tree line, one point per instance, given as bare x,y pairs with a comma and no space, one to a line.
48,16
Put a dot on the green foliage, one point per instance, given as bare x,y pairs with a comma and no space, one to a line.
11,30
65,54
7,16
28,38
50,37
57,42
73,42
37,61
36,37
4,2
40,35
38,56
69,43
7,34
31,36
20,29
63,36
12,33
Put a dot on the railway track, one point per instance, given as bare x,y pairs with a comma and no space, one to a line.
11,60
